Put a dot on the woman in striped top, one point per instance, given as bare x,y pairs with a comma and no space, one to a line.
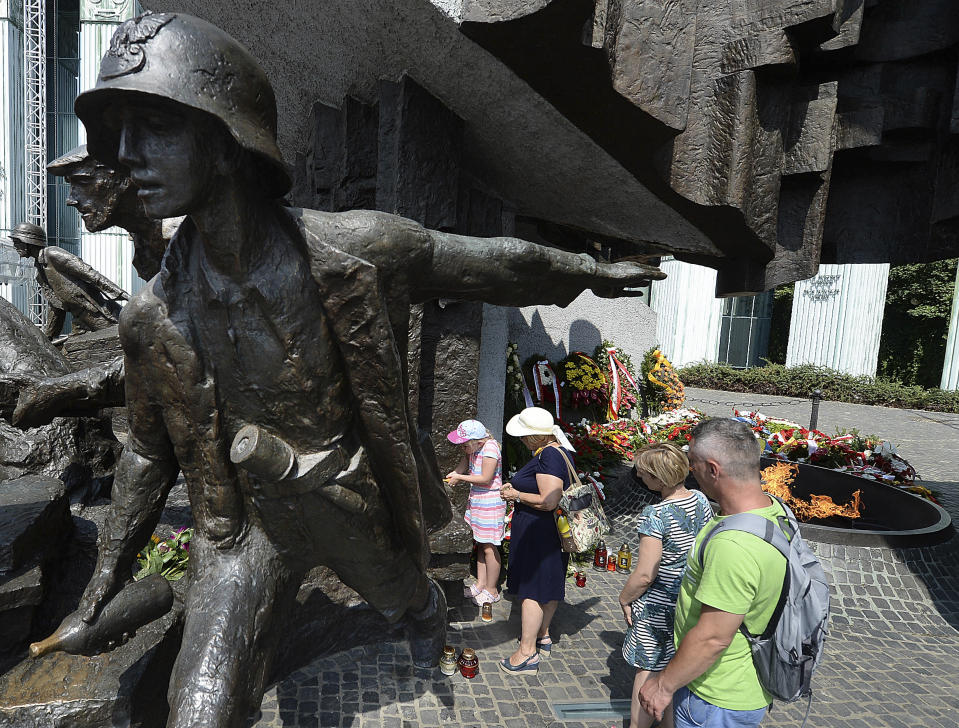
667,531
482,467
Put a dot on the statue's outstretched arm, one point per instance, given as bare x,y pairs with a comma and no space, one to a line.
145,473
505,271
73,268
512,272
70,395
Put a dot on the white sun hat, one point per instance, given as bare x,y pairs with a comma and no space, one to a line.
537,421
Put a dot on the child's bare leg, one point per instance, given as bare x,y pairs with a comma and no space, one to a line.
492,562
480,566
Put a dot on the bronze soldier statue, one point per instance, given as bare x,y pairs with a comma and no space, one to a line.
68,284
267,362
105,197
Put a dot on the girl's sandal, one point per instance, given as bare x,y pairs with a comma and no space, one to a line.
471,591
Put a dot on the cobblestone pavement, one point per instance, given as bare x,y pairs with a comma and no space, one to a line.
892,659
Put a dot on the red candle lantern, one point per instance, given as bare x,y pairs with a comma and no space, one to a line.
469,663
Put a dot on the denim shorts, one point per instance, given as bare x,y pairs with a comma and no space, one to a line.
691,711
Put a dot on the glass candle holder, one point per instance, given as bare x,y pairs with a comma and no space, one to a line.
469,663
448,665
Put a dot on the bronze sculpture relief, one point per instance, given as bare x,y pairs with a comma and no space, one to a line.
105,196
68,284
279,329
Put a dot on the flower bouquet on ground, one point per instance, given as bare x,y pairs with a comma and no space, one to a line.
664,386
847,451
168,557
600,445
583,382
674,426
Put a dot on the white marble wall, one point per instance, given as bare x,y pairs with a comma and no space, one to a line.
950,365
688,313
837,318
554,331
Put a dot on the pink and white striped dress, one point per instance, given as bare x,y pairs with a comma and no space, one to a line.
486,509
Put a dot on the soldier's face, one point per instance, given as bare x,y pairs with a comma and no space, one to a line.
26,251
170,161
94,191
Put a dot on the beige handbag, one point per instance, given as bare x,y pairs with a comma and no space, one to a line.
581,505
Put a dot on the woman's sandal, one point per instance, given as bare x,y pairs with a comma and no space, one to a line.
471,591
543,646
524,667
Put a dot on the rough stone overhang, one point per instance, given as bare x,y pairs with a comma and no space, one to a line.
788,131
515,141
752,141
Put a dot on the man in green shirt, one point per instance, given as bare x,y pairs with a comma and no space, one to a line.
711,680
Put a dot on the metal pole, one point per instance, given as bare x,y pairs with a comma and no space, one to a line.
814,414
642,397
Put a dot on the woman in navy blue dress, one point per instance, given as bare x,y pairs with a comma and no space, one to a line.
537,564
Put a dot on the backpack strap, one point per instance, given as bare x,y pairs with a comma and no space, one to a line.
748,523
758,526
766,530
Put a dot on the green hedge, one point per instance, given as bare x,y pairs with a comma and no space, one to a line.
835,386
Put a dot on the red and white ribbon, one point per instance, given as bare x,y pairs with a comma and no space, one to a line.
539,369
527,397
616,390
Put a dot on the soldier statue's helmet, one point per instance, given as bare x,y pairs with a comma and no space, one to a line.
189,61
29,234
64,165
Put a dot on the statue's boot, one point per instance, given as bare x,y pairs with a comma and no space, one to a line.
427,629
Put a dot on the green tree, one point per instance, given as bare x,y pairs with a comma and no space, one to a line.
779,325
916,322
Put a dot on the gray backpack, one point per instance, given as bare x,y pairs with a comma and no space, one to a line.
790,648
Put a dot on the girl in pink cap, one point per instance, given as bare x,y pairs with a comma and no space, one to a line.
481,466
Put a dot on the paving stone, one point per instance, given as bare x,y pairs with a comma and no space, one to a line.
891,657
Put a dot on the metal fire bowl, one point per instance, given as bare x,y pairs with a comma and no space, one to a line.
890,516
